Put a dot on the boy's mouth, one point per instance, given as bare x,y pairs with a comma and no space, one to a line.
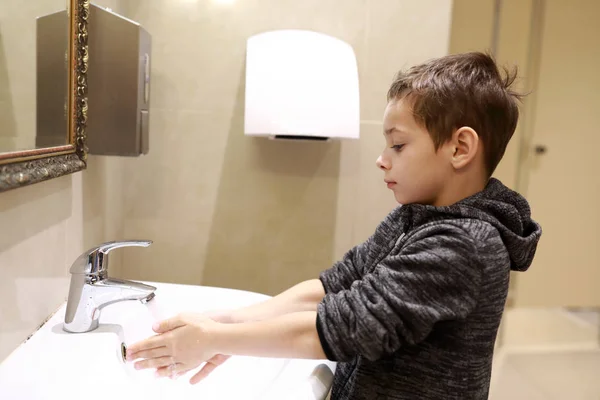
390,184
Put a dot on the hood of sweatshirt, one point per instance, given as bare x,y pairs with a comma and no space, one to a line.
498,205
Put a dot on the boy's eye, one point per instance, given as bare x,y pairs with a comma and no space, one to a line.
397,147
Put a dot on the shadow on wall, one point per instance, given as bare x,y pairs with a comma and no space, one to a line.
93,192
274,219
8,124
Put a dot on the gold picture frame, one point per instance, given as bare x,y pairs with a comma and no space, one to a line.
22,168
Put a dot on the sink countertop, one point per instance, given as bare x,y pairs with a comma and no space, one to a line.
54,364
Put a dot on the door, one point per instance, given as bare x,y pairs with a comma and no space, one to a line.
563,179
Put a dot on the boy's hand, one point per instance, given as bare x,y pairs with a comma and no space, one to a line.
223,317
182,344
208,368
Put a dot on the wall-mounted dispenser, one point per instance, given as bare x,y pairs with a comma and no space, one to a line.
118,85
301,85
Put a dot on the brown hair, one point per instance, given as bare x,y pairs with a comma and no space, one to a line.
462,90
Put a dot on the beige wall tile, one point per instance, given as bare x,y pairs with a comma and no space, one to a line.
274,222
399,34
242,204
175,256
347,197
33,261
472,25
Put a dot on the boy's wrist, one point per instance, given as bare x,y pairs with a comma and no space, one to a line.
235,317
220,336
292,335
223,316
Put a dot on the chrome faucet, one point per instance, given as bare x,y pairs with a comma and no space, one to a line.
91,289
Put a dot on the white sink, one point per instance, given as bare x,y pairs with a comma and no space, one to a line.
54,364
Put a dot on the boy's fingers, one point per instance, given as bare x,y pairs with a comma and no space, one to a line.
146,344
162,372
219,359
154,363
203,373
152,353
168,324
208,368
173,370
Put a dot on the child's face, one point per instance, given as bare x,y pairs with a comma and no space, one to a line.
412,168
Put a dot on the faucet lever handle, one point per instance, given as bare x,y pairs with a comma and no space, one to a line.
108,246
95,260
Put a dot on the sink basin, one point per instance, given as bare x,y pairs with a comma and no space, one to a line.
56,364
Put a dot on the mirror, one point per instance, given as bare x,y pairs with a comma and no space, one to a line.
43,90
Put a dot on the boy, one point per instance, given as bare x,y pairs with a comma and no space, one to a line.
413,312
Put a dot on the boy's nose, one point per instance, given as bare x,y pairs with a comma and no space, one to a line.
380,163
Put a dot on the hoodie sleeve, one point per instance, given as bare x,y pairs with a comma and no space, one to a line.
347,270
435,278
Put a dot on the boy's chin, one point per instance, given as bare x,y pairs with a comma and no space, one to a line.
402,200
405,200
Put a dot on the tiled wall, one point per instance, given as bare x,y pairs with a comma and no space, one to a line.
228,210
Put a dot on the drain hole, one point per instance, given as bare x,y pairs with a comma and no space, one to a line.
123,352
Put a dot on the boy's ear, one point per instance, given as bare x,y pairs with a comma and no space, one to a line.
465,143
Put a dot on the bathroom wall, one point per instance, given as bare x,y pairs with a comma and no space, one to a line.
250,213
44,227
476,27
41,232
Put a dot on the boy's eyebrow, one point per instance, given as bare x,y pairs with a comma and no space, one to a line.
389,131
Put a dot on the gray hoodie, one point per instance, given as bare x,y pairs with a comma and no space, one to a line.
413,312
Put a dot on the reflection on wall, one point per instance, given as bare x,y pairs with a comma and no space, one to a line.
8,123
52,79
18,81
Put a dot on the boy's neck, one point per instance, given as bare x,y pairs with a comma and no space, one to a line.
459,189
